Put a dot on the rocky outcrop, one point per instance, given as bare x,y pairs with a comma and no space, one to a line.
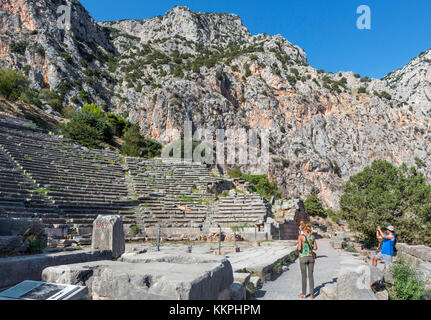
51,55
209,69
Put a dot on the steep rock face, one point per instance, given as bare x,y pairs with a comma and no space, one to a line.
412,83
209,69
32,40
324,127
202,28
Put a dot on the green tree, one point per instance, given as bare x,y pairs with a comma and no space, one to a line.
118,123
314,207
89,129
12,84
261,185
382,195
136,145
91,107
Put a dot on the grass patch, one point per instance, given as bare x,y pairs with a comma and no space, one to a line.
43,192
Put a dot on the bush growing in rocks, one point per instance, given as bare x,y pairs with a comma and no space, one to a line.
136,145
261,185
12,84
314,207
407,285
89,129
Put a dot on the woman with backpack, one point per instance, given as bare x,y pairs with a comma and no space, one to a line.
306,244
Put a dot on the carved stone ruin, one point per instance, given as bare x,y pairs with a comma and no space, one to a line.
108,234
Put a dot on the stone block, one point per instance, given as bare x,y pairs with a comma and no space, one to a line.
156,277
56,233
350,286
19,226
336,244
108,234
376,278
12,245
382,295
255,282
241,278
17,269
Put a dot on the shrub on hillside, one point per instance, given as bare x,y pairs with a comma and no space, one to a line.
18,47
135,145
52,98
261,185
362,90
12,84
89,129
118,123
235,173
382,195
92,108
31,96
314,207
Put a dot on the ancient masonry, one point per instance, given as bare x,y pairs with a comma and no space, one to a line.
67,186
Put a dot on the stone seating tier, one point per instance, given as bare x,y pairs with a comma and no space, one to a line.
78,184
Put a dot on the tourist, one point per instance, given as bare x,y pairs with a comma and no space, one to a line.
306,244
387,252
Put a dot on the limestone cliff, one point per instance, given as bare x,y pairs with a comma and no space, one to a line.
209,69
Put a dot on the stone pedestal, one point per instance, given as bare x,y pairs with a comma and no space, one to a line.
108,234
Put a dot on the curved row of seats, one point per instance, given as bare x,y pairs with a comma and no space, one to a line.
47,176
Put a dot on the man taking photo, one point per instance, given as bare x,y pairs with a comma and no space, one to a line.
387,252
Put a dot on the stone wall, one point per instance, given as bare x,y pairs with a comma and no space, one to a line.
419,256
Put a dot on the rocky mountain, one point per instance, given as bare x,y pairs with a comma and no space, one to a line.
208,68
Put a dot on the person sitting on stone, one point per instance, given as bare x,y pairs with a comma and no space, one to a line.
387,252
306,245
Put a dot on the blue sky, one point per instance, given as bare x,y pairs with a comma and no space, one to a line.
325,29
